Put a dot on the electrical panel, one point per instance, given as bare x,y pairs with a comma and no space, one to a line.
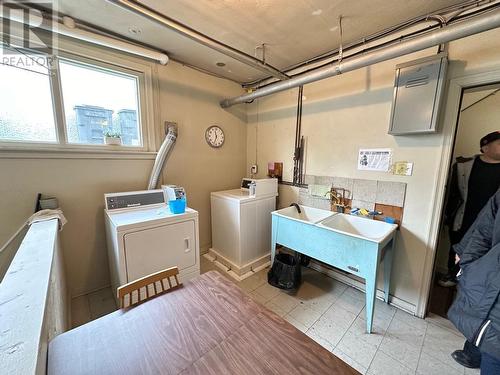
418,90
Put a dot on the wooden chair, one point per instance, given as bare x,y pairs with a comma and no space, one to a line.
156,280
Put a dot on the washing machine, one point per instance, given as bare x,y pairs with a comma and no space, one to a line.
144,237
241,226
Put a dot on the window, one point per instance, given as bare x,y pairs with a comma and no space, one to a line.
26,105
97,102
76,103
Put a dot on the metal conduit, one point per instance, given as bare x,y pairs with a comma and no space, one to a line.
446,34
198,37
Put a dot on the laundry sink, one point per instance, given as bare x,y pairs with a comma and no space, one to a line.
307,215
352,244
364,228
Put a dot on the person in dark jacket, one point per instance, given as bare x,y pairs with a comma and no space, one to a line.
473,181
476,309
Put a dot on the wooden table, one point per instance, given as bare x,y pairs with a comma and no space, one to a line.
209,326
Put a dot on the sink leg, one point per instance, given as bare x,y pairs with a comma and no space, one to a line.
371,288
273,238
387,268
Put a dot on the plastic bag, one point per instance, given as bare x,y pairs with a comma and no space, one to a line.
285,272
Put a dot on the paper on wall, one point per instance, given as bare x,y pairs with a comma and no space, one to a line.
375,159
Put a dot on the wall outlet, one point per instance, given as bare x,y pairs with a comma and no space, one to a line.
254,169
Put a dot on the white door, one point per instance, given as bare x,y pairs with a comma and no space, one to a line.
154,249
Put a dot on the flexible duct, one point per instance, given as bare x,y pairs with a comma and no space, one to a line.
163,152
446,34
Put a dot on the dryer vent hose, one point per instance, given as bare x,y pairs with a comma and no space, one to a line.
163,152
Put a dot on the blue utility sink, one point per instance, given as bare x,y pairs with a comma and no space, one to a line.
353,244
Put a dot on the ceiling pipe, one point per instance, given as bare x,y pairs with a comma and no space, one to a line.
198,37
445,34
68,28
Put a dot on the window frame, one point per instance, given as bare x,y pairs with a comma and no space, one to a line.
103,60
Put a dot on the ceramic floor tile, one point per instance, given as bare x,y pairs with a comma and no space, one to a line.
251,283
304,315
321,303
351,300
440,342
431,366
206,265
101,303
382,364
339,316
324,343
295,323
275,308
442,322
418,324
80,311
333,324
258,297
267,291
308,291
382,308
351,362
285,301
322,281
382,321
359,345
403,343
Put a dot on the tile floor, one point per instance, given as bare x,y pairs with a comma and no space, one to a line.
332,314
91,306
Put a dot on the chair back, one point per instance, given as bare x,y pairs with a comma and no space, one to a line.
147,287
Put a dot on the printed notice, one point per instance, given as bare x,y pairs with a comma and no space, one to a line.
375,159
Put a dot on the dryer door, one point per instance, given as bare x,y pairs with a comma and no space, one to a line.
154,249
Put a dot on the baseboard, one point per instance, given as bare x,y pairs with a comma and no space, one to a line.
204,249
349,280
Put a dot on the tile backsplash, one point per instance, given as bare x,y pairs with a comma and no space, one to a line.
363,193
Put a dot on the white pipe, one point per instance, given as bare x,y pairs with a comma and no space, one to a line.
36,20
445,34
162,154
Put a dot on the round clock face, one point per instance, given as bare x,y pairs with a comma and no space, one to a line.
214,136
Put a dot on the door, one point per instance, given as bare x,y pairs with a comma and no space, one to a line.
154,249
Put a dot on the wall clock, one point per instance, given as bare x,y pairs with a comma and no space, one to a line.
214,136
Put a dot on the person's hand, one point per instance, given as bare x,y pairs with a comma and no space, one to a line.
457,259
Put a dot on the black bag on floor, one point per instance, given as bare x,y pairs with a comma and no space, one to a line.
285,272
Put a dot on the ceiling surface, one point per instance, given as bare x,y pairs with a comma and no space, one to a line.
293,30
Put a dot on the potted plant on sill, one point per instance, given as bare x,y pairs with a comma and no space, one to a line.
112,137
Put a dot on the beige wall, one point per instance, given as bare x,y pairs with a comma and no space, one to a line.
183,95
475,122
344,113
191,99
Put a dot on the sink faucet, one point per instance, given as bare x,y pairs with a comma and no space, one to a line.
337,198
297,207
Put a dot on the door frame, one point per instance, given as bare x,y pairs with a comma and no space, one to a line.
449,126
